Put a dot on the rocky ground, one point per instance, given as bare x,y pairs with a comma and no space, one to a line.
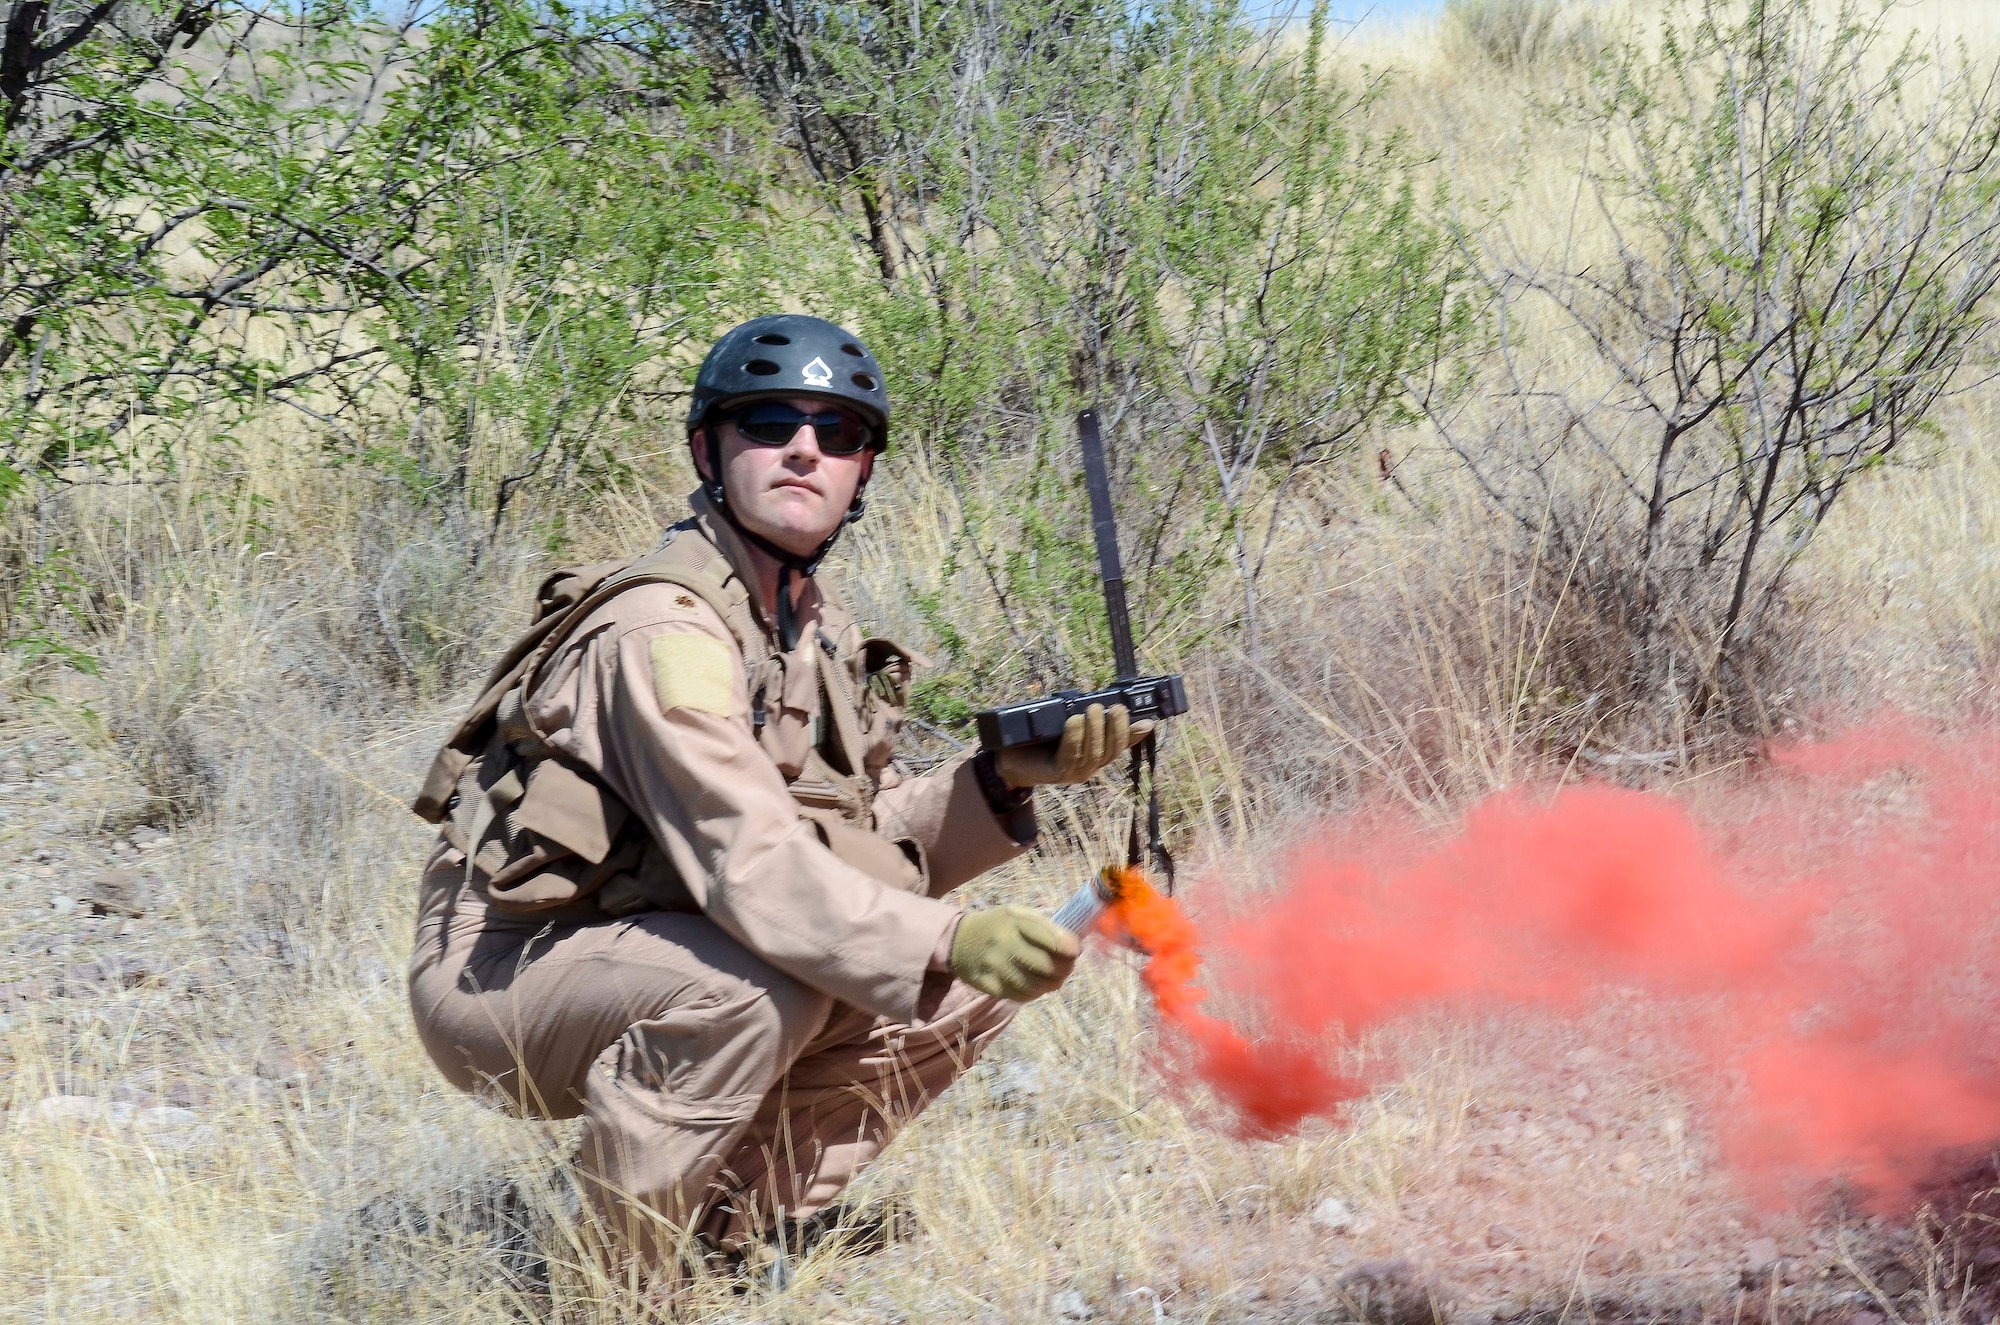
100,950
168,1053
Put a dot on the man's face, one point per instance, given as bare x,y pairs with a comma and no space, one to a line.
793,494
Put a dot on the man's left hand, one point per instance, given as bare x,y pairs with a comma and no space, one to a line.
1089,741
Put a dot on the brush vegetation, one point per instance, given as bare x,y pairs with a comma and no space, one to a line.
1549,392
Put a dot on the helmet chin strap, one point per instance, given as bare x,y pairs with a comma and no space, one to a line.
789,563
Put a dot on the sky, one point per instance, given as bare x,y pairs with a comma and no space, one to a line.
1369,14
1383,10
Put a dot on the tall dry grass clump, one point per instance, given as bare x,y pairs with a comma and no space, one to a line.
1518,34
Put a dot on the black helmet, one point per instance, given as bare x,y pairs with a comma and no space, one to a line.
790,354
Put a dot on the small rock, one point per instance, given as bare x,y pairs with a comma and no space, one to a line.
1070,1305
7,1023
119,893
189,1138
130,972
107,973
146,837
154,1086
1760,1253
23,991
164,1117
1607,1255
1863,1317
268,943
1388,1290
1585,1056
1499,1236
1580,1092
282,1065
62,906
1333,1215
189,1094
1311,1289
255,1090
1895,1281
1380,1271
162,1124
74,1111
1627,1163
1017,1081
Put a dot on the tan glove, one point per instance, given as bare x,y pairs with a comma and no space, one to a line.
1089,741
1012,952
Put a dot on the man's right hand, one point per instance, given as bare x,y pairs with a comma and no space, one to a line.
1012,952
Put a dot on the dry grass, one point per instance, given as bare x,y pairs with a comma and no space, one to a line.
277,668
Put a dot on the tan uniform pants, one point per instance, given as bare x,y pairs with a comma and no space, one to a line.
714,1087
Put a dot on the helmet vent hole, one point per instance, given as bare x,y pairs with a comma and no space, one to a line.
761,368
773,338
854,350
864,381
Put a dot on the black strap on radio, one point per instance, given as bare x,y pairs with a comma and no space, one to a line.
1145,767
1145,756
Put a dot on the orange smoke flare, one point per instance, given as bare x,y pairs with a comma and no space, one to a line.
1273,1086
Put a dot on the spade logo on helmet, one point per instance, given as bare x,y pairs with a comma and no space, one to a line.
817,374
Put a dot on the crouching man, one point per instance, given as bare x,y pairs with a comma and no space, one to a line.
682,889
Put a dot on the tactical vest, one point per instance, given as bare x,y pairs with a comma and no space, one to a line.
540,832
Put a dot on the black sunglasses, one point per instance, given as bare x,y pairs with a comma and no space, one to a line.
774,423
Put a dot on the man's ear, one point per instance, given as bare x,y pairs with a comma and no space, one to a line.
698,448
867,468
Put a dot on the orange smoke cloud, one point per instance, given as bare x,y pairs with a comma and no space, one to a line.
1825,957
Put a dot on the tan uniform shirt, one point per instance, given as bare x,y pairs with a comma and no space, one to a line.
715,792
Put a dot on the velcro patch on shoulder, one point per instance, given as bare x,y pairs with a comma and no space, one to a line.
694,671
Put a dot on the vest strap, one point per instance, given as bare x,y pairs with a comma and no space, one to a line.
686,559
